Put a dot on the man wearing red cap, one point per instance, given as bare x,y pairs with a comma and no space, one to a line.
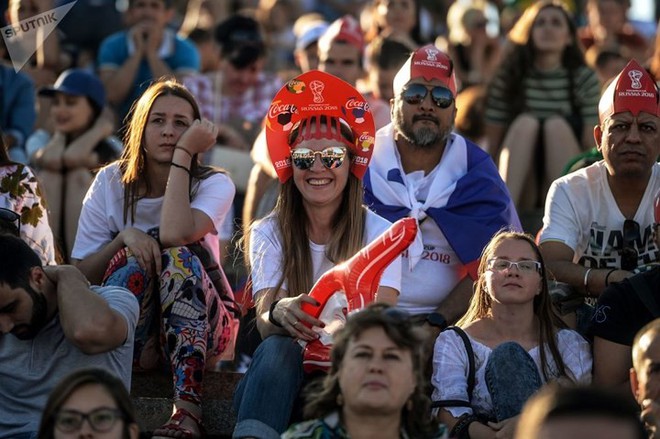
622,310
451,186
597,227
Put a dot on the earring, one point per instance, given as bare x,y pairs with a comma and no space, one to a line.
340,399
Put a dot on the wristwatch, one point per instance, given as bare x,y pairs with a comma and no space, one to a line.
436,319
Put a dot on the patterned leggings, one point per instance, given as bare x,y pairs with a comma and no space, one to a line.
188,324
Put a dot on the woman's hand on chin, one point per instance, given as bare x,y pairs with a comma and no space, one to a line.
199,137
294,320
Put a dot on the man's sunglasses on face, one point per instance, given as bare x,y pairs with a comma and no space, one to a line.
414,94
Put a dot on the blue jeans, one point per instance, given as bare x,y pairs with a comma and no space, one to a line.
266,395
511,377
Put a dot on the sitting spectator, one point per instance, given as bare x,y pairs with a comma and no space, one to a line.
319,221
607,64
399,20
90,400
308,29
622,310
22,199
609,28
130,60
579,413
385,56
476,54
18,105
643,376
597,226
237,95
277,18
81,143
150,223
376,386
509,343
470,107
52,323
542,103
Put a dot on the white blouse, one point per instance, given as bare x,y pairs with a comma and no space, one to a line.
450,368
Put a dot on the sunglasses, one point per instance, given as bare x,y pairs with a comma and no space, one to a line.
10,221
101,420
331,157
629,255
414,94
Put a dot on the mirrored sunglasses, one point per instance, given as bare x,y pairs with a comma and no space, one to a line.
101,420
416,93
331,157
10,221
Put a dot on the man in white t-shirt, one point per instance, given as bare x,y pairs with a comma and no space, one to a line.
597,227
52,323
421,169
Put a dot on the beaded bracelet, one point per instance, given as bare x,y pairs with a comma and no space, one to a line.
184,150
461,428
271,318
176,165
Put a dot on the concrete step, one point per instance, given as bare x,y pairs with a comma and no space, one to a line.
152,396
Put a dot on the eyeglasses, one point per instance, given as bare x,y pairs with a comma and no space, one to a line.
629,253
10,221
101,420
498,264
416,93
331,157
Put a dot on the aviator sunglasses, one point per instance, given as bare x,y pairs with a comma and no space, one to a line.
331,157
416,93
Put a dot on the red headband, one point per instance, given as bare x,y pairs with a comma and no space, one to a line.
318,94
631,90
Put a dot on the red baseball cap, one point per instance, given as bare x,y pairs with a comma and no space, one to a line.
317,93
631,90
345,29
427,62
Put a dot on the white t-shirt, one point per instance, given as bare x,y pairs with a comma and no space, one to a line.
581,212
439,270
450,368
102,216
266,254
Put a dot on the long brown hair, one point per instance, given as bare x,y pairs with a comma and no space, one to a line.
133,163
347,225
519,55
549,322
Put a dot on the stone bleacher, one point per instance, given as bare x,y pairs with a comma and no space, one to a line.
152,395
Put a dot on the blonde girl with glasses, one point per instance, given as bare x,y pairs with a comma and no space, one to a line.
517,343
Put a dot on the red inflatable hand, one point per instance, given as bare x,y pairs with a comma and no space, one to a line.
359,277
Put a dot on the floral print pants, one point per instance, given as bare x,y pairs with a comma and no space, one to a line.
182,318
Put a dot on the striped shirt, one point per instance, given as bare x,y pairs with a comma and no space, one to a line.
548,94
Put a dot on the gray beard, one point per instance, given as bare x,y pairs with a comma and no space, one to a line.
423,137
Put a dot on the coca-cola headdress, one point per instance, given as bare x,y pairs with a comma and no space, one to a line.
631,90
317,96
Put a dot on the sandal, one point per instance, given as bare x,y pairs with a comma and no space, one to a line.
174,425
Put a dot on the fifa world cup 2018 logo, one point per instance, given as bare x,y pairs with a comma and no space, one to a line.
432,54
635,76
317,89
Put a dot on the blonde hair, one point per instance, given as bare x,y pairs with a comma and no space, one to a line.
481,302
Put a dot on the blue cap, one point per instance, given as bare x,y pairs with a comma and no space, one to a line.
78,82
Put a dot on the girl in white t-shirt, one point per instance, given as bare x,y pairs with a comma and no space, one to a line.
320,140
517,343
140,227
